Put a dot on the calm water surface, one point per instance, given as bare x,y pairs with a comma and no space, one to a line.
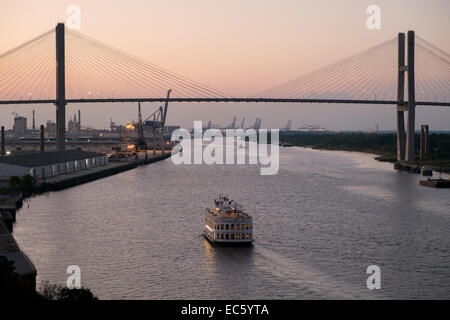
319,223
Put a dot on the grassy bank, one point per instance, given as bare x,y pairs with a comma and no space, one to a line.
382,144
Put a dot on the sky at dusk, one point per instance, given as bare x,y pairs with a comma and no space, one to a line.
238,47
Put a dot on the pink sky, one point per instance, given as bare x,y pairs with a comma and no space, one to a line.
233,46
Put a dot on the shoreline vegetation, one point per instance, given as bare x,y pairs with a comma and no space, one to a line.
384,145
11,288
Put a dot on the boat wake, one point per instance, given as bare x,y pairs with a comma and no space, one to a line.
313,283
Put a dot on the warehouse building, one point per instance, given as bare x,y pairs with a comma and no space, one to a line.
48,164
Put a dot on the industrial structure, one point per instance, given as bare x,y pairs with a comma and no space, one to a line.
362,75
232,125
140,143
242,123
257,124
20,125
288,126
156,122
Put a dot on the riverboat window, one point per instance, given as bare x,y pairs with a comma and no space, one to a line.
232,227
238,227
243,227
247,236
227,226
232,236
227,236
246,226
238,236
221,227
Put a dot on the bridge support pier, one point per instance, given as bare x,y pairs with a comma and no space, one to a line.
42,139
411,100
400,98
60,89
405,149
401,139
424,142
3,142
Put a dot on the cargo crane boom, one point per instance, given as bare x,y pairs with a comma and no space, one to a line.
166,107
140,144
159,119
242,123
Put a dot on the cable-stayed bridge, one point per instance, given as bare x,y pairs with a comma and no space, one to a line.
88,71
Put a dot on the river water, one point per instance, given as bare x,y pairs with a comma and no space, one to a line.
318,224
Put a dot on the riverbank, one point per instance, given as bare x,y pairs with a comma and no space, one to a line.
381,144
19,271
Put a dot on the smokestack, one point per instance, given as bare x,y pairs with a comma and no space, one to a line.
42,138
79,120
3,141
34,122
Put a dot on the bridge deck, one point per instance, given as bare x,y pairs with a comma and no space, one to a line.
249,100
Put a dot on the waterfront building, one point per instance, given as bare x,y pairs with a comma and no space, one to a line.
47,164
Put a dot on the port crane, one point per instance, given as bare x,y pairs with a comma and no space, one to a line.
257,124
157,124
288,126
140,145
233,124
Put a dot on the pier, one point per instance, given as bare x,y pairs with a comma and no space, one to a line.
76,178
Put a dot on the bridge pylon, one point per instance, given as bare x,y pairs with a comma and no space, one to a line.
405,147
60,89
401,139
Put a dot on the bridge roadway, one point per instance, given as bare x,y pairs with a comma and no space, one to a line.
250,100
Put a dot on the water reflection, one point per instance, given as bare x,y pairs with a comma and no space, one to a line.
319,223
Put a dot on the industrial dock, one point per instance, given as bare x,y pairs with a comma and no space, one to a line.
12,201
